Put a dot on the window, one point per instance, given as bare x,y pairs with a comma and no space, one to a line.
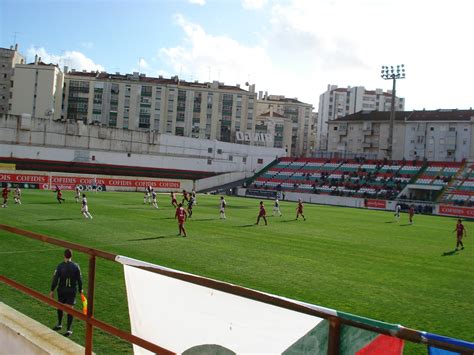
244,159
231,157
259,161
219,151
452,129
431,128
209,150
335,128
209,161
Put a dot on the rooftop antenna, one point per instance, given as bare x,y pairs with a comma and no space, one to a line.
14,36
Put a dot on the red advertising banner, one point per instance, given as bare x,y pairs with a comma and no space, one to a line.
70,182
456,211
379,204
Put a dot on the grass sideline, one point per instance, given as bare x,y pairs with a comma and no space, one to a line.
352,260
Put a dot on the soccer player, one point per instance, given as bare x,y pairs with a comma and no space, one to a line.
193,195
185,196
17,196
5,193
460,233
276,207
223,205
181,215
146,197
59,195
299,210
85,208
262,214
78,193
68,279
398,208
153,199
411,213
174,202
190,206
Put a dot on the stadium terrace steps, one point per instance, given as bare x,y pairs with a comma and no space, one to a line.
375,178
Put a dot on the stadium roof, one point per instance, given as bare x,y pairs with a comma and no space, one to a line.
141,78
410,116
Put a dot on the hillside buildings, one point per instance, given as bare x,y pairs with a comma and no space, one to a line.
37,90
340,102
300,115
9,58
439,135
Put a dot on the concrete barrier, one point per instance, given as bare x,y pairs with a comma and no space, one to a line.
20,334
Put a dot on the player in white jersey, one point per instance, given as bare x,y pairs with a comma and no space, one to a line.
153,199
85,208
398,208
276,207
17,196
146,197
223,205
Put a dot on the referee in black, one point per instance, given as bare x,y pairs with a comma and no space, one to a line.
67,278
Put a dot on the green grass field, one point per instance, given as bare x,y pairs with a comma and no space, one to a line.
352,260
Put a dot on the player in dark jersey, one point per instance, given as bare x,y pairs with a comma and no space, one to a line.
181,216
262,214
68,279
460,233
190,206
299,210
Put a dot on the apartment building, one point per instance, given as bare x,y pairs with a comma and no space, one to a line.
9,58
340,102
439,135
173,106
37,90
272,130
300,115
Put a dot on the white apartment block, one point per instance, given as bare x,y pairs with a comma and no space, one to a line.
440,135
300,115
168,106
272,130
37,90
339,102
8,59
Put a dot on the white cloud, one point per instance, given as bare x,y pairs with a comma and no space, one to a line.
73,59
253,4
143,64
87,45
198,2
204,56
305,45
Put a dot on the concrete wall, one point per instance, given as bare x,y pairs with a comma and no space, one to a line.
219,180
50,140
20,334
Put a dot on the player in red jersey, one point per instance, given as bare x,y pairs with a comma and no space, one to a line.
460,233
174,202
185,197
59,195
181,215
411,213
299,210
5,193
262,214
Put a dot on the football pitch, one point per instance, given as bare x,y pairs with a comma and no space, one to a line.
352,260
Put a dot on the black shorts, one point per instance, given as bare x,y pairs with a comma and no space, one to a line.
67,297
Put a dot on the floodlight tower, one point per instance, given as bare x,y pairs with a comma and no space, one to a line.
392,73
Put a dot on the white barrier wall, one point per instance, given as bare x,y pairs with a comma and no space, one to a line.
219,180
63,141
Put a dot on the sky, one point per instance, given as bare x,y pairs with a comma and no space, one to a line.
285,47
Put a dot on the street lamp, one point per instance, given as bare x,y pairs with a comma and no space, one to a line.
392,73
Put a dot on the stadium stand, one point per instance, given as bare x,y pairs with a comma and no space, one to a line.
461,191
359,178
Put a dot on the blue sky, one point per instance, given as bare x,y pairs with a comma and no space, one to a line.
289,47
